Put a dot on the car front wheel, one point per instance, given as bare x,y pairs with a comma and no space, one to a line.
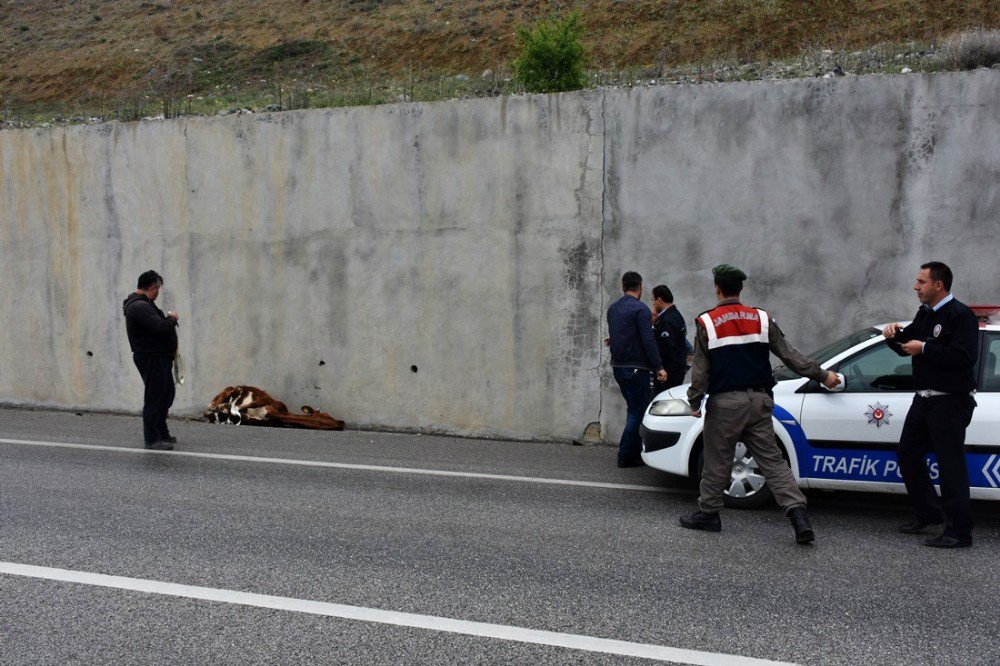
747,487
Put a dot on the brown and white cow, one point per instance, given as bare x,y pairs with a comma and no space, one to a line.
249,405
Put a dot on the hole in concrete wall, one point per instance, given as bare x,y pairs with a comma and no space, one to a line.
413,368
322,362
90,353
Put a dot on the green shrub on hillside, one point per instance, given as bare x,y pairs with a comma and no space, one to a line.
552,56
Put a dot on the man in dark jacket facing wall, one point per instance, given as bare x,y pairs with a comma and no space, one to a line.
633,357
153,338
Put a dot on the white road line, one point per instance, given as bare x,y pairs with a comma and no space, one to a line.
430,622
367,468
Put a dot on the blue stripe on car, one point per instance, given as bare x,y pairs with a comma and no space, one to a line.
872,465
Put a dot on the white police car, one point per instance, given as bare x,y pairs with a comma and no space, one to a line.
842,440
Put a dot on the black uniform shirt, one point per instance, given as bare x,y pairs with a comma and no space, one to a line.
671,333
951,347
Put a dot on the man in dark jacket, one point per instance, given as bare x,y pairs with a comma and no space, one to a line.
633,357
153,338
943,341
671,338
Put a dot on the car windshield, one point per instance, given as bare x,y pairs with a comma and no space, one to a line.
781,373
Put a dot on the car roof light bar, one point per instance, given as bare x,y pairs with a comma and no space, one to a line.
987,314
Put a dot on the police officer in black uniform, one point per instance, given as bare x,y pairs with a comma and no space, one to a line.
671,338
943,341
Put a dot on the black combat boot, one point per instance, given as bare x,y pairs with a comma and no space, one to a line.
700,520
800,523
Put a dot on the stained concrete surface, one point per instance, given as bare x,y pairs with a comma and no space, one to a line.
325,254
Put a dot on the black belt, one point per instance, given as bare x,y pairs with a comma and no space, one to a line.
747,390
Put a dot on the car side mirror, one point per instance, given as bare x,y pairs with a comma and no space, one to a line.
811,386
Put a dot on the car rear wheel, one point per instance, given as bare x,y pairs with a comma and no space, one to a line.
747,487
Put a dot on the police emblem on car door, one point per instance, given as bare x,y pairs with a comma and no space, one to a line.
878,414
853,434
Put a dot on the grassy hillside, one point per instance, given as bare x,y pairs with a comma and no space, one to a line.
121,57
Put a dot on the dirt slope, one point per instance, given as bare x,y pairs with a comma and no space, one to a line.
78,49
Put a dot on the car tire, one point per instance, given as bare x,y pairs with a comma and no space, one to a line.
747,488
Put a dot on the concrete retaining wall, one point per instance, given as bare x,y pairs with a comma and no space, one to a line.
323,255
828,193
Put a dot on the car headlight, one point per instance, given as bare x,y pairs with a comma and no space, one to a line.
670,408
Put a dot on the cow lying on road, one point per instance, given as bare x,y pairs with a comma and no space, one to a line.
249,405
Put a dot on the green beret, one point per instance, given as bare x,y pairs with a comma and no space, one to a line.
727,271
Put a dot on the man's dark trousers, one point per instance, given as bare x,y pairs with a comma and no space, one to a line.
157,375
937,425
634,384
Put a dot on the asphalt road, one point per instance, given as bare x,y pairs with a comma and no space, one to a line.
355,519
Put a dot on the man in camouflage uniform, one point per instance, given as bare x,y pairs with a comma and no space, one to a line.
732,364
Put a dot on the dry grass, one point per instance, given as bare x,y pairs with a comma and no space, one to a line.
117,51
972,49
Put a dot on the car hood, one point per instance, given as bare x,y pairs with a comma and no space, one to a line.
680,392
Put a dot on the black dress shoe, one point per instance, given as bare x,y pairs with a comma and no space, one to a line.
158,446
700,520
800,523
631,463
916,526
948,541
170,439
